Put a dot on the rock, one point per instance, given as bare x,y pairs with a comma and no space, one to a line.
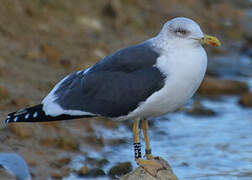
56,175
61,162
215,86
83,171
51,54
97,172
142,174
93,139
97,162
66,143
92,173
21,101
21,130
120,169
65,172
89,22
66,63
246,99
4,94
116,141
199,110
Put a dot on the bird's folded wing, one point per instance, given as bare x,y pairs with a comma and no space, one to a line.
109,94
113,87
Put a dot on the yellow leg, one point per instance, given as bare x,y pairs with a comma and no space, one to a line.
137,143
147,139
150,166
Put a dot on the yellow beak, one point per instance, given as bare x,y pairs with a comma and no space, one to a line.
210,40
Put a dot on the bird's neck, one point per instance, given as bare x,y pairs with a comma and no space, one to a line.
159,42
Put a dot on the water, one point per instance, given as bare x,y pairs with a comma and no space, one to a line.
197,147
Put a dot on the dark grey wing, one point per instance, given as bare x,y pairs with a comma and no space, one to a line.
114,86
129,59
110,94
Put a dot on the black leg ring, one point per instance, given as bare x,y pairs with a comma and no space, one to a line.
137,149
147,151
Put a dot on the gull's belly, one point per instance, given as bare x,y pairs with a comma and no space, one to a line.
172,96
182,81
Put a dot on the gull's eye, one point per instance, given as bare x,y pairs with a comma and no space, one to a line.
180,31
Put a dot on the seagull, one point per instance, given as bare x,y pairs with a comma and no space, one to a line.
142,81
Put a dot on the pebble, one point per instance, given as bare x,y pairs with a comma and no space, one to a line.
83,171
246,99
120,169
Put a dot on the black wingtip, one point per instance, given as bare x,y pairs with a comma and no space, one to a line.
36,114
9,118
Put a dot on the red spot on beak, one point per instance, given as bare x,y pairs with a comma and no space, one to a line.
213,43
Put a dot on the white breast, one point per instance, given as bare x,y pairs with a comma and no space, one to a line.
184,72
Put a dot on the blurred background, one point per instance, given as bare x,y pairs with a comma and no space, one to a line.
41,41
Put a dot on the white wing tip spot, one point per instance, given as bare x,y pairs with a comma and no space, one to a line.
27,116
15,119
35,114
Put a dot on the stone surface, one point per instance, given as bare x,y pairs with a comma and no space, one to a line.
21,101
83,171
21,130
199,110
142,174
65,143
4,94
215,86
52,54
120,169
246,100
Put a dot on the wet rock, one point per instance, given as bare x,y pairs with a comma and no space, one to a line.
185,164
97,172
61,162
246,99
66,143
97,162
51,54
56,175
4,94
116,141
215,86
93,173
21,101
21,130
120,169
94,140
83,171
65,172
199,110
142,174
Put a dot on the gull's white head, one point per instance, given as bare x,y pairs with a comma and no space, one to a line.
184,31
